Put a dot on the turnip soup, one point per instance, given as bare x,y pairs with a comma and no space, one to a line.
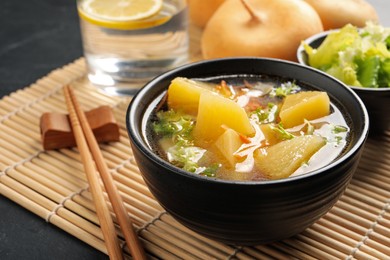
246,128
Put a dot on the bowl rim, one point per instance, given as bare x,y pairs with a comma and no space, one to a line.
136,138
322,35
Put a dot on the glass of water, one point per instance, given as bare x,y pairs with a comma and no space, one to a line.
128,42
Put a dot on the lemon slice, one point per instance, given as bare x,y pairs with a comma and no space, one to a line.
123,14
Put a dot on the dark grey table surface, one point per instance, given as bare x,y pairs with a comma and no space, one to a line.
36,37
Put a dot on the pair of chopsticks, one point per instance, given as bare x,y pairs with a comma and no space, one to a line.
91,156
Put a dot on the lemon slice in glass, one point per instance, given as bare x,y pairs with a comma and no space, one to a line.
122,14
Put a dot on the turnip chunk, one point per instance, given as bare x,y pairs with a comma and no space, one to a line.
184,94
216,112
284,158
227,144
307,105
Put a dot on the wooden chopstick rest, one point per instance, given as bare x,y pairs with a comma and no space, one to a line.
56,130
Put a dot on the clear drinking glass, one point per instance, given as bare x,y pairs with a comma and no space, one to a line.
122,56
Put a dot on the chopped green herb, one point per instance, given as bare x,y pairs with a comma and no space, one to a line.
183,154
186,157
211,171
175,125
267,115
284,135
338,134
338,139
339,129
285,89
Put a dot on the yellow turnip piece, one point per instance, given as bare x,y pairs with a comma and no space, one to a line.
183,94
307,105
214,113
227,144
284,158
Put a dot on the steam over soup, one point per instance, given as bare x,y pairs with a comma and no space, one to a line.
246,128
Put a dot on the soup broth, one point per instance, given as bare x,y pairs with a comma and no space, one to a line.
246,128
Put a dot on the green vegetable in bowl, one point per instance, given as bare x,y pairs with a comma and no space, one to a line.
358,57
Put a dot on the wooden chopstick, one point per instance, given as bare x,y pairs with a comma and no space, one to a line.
123,217
103,213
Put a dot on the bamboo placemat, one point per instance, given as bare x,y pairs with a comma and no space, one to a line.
52,185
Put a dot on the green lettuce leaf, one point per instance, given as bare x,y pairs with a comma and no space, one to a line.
358,57
328,53
384,73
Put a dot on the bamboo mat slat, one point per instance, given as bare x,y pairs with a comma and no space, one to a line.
52,185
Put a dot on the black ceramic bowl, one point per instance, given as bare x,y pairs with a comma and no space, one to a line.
376,100
246,213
